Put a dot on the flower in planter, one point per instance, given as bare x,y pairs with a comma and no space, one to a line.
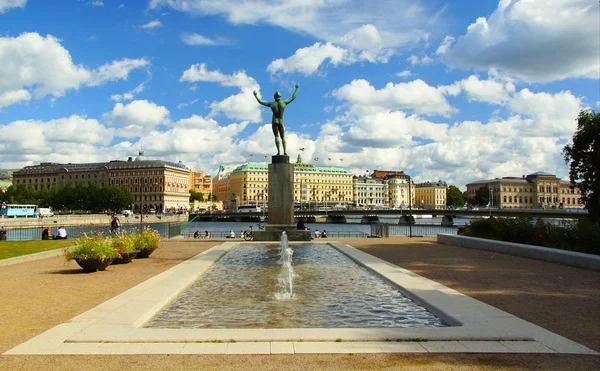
94,246
92,253
125,244
147,242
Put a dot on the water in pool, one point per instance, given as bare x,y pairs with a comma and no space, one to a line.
329,291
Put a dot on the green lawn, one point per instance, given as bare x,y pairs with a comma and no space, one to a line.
10,249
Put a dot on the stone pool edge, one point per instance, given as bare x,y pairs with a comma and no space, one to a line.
113,327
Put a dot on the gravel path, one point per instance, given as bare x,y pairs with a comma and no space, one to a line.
41,294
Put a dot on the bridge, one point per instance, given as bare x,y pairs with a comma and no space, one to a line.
532,213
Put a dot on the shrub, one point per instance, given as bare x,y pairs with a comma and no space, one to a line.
92,247
125,243
147,240
582,235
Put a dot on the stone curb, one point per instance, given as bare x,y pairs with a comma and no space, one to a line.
571,258
32,257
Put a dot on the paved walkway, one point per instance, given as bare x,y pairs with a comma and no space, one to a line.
41,294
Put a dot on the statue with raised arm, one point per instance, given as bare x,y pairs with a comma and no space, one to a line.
278,107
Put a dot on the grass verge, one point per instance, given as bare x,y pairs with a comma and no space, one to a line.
11,249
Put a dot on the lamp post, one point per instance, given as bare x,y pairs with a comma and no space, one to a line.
141,207
409,207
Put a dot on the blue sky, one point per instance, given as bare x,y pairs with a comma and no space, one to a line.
458,91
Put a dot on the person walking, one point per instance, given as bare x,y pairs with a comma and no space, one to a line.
115,226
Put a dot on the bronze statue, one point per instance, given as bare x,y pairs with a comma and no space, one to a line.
278,107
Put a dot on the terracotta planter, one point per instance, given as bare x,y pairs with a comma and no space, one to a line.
92,265
145,253
125,258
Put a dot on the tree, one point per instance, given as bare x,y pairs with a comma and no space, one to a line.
482,196
584,158
454,197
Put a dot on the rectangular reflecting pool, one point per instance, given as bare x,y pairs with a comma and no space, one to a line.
330,291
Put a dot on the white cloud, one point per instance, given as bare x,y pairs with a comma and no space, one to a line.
308,60
445,45
403,74
415,60
241,106
54,140
6,5
533,40
152,24
97,3
490,91
416,95
116,70
197,39
364,37
8,98
42,66
187,104
199,73
129,95
335,21
121,6
136,118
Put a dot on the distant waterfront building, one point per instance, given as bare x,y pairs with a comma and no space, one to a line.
537,190
398,187
431,195
313,185
157,184
202,183
370,192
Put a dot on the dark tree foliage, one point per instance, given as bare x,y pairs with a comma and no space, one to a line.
196,196
454,197
482,197
71,197
584,158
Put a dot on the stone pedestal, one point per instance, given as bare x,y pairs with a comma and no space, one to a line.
281,203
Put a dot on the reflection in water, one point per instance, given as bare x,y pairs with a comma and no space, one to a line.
330,291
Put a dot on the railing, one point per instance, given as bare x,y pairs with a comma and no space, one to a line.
225,234
390,230
21,233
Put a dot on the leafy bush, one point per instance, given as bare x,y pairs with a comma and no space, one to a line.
125,243
147,240
94,246
582,235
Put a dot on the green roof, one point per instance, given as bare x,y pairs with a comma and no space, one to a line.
298,168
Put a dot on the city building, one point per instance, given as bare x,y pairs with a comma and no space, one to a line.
202,183
154,184
398,187
313,185
370,192
431,195
537,190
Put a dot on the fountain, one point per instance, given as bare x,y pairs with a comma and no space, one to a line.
285,280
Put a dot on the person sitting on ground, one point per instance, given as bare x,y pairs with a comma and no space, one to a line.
46,233
317,234
300,226
324,234
61,233
115,225
231,234
206,234
197,234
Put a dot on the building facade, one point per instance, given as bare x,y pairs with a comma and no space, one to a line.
154,184
313,185
202,183
537,190
370,192
431,195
